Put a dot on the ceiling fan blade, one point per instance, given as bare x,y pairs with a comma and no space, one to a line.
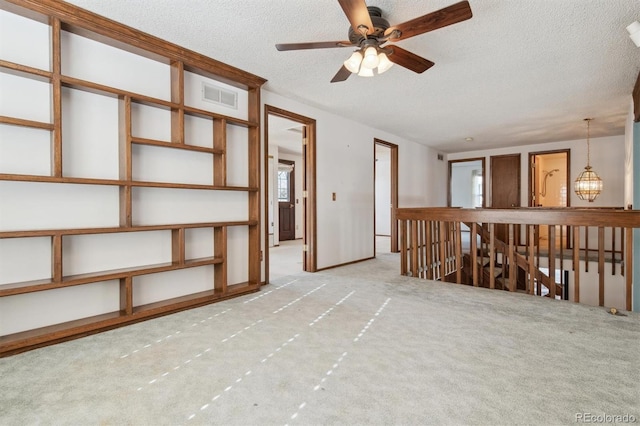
342,75
409,60
432,21
358,14
313,45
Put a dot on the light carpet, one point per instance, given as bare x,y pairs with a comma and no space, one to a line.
353,345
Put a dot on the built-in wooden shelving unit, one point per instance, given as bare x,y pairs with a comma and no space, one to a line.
63,20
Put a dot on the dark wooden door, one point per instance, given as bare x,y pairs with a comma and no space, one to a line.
286,205
505,188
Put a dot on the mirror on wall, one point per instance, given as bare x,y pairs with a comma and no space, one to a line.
467,183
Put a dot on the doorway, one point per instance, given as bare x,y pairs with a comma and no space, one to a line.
279,125
466,183
286,189
549,173
385,171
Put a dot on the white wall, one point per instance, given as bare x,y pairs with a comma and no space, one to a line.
607,158
345,166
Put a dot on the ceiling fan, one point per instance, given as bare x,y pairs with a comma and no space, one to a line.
369,31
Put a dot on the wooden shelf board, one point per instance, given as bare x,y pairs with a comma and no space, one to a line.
31,339
114,182
100,89
93,277
25,71
151,142
25,123
141,228
208,114
191,300
53,179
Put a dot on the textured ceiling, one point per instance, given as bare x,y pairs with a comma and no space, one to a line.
519,72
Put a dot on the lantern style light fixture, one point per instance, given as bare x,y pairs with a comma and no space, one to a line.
367,59
588,184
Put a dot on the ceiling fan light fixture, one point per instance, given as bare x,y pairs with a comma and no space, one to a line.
354,61
365,72
383,63
370,59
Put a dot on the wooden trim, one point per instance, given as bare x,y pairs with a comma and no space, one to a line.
220,145
88,24
56,258
56,98
344,264
177,96
25,70
309,185
26,123
220,251
255,243
394,155
126,295
484,178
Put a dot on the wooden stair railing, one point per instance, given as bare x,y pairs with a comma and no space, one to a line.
521,262
432,247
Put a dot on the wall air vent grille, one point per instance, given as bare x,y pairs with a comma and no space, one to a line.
220,96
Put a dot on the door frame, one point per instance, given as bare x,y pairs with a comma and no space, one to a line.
568,238
309,208
394,193
568,166
484,178
292,196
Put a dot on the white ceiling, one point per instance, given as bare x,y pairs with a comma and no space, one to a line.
519,72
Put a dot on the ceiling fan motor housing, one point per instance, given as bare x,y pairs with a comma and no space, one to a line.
379,23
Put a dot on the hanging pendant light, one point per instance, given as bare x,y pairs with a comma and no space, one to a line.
588,185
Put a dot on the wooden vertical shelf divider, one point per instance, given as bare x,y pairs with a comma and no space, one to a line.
220,143
177,97
220,251
63,18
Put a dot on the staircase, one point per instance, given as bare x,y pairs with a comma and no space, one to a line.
499,276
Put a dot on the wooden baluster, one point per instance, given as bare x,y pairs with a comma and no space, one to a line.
552,261
623,232
414,248
601,265
613,250
474,252
443,249
422,243
429,250
586,249
492,256
531,258
459,262
511,258
562,283
403,247
576,264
